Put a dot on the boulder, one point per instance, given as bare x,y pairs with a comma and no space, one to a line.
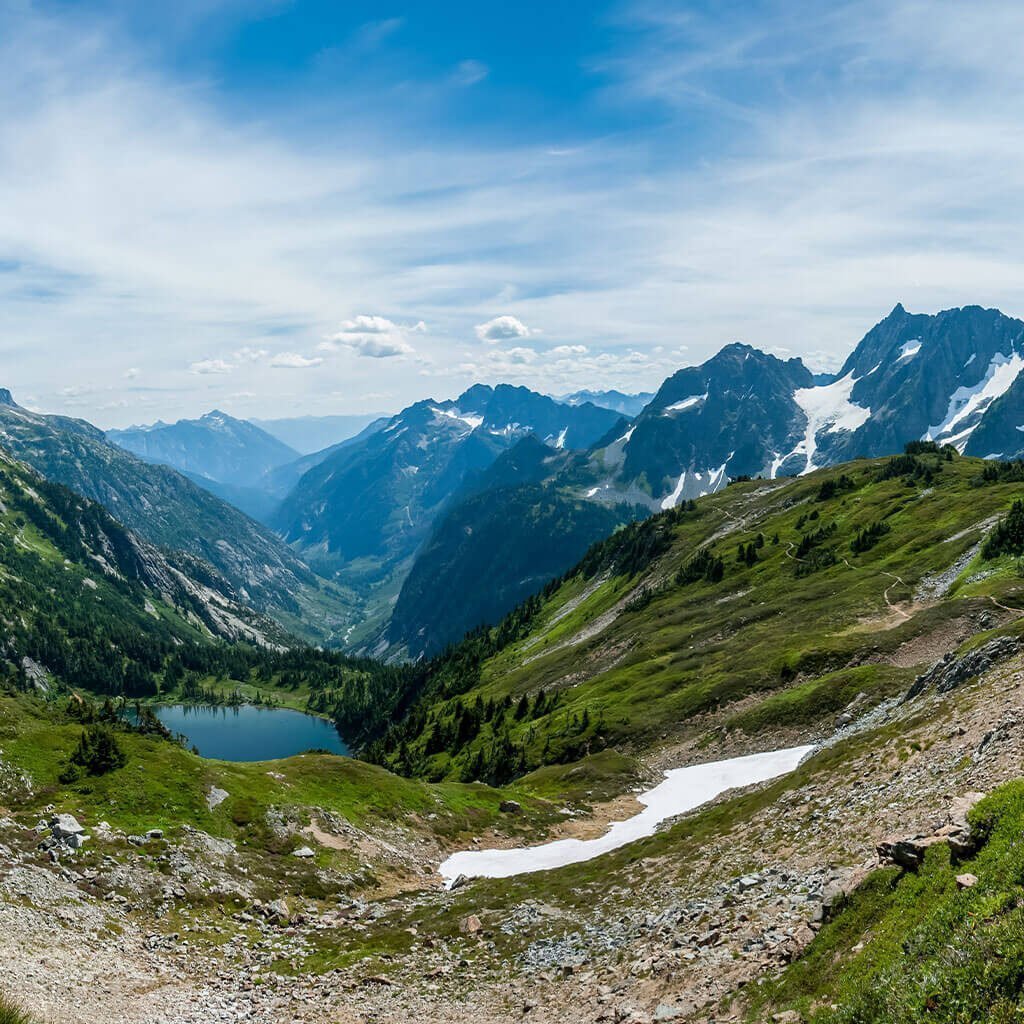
470,925
215,797
951,672
966,880
64,825
278,912
510,807
304,852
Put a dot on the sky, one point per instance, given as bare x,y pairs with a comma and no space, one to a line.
292,207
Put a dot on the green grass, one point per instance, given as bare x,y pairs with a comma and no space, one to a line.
913,947
12,1013
797,648
165,786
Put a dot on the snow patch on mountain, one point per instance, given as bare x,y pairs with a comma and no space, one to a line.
687,403
706,481
967,403
909,349
828,409
453,414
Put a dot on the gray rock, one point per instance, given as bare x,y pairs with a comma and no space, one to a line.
304,851
64,825
216,797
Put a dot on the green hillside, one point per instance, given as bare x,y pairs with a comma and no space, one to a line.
770,604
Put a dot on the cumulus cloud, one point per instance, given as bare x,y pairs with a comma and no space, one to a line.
375,337
294,361
131,373
210,366
569,350
380,348
502,328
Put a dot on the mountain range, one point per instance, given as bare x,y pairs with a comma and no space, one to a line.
403,515
173,513
952,377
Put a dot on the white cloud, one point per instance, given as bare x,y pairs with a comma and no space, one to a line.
294,361
210,366
248,354
375,337
131,373
569,350
502,328
520,355
469,72
368,325
380,348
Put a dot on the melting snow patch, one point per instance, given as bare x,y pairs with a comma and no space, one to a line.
715,481
669,501
909,349
453,414
827,408
686,403
682,790
967,403
560,442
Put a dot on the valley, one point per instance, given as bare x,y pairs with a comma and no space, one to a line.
865,617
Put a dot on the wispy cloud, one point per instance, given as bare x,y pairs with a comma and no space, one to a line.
294,361
210,366
804,170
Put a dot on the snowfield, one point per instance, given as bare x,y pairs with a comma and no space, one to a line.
827,408
965,402
683,790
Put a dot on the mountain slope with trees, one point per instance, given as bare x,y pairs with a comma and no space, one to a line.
173,513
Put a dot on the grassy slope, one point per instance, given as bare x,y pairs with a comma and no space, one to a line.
798,648
915,947
165,786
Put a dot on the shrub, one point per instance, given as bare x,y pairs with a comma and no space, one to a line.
97,753
1007,538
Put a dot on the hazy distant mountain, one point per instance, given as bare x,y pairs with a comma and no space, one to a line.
215,447
627,405
510,530
168,510
309,434
362,512
279,482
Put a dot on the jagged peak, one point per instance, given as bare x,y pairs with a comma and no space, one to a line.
6,398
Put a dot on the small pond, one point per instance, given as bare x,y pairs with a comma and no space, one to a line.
249,733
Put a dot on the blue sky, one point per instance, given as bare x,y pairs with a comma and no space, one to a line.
282,206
